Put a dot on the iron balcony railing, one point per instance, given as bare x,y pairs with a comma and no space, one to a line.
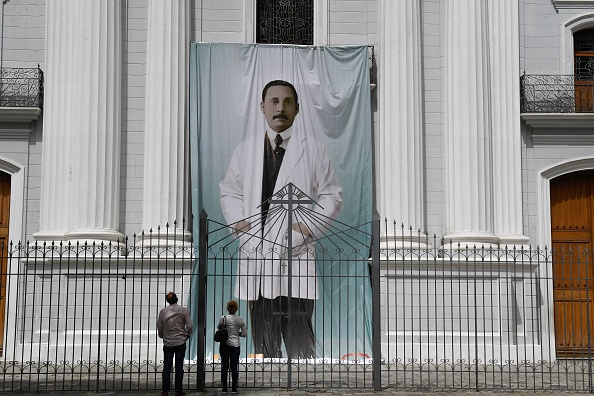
21,87
556,94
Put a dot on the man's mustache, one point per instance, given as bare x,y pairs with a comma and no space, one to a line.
284,117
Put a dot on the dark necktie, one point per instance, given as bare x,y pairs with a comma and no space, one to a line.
278,150
273,159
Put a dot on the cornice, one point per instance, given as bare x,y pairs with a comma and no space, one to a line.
558,120
19,114
580,4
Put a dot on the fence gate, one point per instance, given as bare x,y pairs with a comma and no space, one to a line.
306,296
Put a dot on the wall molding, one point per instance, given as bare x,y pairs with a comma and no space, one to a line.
563,4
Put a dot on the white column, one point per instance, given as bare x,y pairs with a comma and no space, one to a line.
469,202
82,125
166,137
504,44
95,183
57,125
401,129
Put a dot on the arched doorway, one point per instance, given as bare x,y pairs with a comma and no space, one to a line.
4,218
583,47
572,221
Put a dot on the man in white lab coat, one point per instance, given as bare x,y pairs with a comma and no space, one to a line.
261,166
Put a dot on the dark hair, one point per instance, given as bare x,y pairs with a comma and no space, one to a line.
232,306
171,298
283,83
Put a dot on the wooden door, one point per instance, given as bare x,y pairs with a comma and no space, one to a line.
4,217
572,208
583,44
584,91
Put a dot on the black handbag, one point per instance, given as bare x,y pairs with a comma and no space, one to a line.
221,334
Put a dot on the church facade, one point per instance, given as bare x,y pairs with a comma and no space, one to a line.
483,120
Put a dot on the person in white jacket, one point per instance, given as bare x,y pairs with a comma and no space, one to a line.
260,166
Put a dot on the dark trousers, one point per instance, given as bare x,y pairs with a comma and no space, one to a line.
169,352
229,358
271,324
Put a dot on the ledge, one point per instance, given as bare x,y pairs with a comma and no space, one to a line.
559,4
19,114
558,120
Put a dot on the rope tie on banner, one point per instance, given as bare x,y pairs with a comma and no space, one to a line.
355,355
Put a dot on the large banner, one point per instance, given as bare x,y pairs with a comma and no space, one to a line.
270,124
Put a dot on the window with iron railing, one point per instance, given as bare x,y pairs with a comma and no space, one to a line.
563,93
285,22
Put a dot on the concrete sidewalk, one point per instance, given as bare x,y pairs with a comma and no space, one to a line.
329,392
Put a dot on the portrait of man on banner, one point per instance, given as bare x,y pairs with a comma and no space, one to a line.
262,165
281,163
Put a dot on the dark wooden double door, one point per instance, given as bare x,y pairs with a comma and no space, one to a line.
4,217
572,219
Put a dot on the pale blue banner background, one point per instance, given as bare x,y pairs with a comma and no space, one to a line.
226,82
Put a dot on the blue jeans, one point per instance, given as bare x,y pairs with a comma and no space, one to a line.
229,358
169,352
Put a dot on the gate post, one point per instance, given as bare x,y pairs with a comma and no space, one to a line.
201,330
375,301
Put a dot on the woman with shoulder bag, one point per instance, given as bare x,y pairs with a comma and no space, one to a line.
230,349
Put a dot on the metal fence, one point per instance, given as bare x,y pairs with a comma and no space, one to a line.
21,87
83,317
555,94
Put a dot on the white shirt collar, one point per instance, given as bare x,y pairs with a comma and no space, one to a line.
286,135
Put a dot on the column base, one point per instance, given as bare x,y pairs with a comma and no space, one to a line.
49,236
514,241
409,241
97,237
176,238
470,240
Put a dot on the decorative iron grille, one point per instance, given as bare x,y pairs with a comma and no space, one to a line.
21,87
584,41
555,94
284,22
584,68
583,45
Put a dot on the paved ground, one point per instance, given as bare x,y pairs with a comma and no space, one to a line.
351,380
321,392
